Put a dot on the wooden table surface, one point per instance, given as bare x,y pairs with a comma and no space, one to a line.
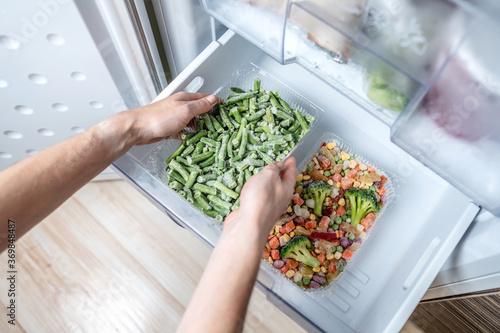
109,261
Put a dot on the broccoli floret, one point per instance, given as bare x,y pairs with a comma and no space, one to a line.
362,202
318,191
297,248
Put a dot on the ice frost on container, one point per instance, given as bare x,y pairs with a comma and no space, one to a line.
334,233
455,130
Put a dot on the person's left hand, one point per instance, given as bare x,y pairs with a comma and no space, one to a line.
157,121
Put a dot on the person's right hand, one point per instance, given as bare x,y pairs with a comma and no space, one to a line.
267,195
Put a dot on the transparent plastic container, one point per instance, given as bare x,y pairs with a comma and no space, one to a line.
391,196
432,63
242,78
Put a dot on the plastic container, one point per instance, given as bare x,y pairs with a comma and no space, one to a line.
391,196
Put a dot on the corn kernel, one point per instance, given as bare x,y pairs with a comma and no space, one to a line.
317,251
356,184
306,177
283,241
316,269
362,167
330,256
276,229
337,255
292,234
289,209
362,235
299,177
312,217
337,185
360,227
309,276
344,156
321,171
290,273
330,182
323,269
315,160
352,164
327,199
300,227
270,260
342,202
287,237
331,145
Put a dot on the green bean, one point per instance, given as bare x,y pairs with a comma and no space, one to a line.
294,126
221,210
226,190
208,122
258,148
253,139
263,135
237,116
240,97
257,170
243,144
177,152
237,90
208,141
245,103
217,150
309,119
206,177
241,180
211,213
218,201
269,116
286,122
175,185
256,85
301,120
241,166
225,118
205,188
253,162
236,205
179,168
189,194
251,105
274,142
267,159
208,162
199,124
283,115
263,99
236,141
284,104
256,116
295,136
187,151
197,205
196,137
234,122
228,179
191,179
175,175
186,136
214,135
199,148
265,128
217,125
248,174
286,137
258,130
200,157
190,167
201,200
223,151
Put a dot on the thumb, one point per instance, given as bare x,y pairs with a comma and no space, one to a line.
202,105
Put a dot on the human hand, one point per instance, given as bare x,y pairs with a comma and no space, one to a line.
157,121
267,194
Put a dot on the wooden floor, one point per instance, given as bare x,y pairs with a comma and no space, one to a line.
109,261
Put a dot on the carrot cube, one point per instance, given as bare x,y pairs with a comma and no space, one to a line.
289,226
274,243
310,225
321,257
333,266
325,222
266,254
347,255
275,254
284,269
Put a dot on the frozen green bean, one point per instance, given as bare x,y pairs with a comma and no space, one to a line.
237,90
192,178
236,141
218,201
205,189
218,127
208,162
256,85
221,210
301,120
196,137
221,187
243,144
177,152
175,185
240,97
201,200
179,168
175,175
225,118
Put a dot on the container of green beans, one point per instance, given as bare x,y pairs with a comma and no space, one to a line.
260,121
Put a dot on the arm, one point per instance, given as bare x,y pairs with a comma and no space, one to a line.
221,299
31,189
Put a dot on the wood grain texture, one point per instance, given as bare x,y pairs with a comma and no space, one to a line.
109,261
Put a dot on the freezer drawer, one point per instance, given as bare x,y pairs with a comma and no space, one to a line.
398,262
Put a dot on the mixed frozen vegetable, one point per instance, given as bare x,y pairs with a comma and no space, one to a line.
336,199
237,139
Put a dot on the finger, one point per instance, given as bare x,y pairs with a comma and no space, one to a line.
202,105
289,173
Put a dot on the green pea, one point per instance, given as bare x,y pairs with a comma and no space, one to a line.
348,212
351,236
299,283
309,169
340,249
305,196
336,158
335,205
338,219
304,207
344,217
335,227
298,184
306,281
326,173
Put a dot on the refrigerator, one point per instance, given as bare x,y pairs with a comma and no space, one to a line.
440,142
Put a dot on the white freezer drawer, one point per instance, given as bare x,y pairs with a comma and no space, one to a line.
377,292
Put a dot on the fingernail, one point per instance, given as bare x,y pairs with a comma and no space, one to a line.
212,99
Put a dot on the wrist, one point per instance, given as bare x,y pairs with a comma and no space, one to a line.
117,133
250,227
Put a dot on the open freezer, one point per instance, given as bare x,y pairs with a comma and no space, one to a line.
411,242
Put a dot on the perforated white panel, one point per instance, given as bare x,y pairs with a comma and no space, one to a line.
53,80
